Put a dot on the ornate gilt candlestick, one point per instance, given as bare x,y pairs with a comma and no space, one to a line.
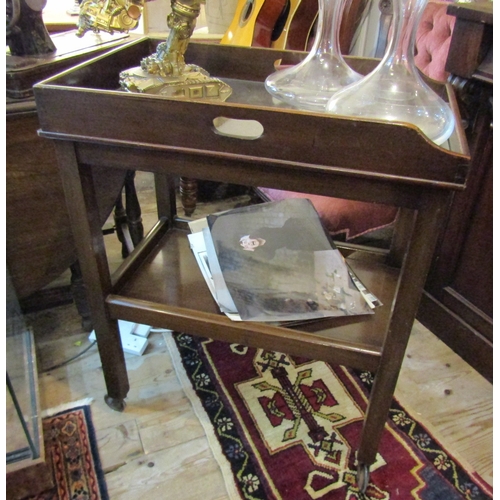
165,72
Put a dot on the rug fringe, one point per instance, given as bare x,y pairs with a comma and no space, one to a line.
66,406
198,409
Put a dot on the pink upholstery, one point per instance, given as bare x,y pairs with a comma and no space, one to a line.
433,40
355,218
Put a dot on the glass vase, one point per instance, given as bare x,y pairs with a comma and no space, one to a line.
395,90
311,83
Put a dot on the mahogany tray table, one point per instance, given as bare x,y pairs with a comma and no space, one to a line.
96,126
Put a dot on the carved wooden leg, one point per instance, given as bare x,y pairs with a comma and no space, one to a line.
133,209
189,193
120,218
128,221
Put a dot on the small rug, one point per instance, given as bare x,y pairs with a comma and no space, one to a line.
287,428
71,451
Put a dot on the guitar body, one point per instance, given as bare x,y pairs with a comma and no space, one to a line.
254,22
298,26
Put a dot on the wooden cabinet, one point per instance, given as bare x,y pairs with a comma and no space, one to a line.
39,242
457,304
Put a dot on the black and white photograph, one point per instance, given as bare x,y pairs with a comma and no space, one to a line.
278,263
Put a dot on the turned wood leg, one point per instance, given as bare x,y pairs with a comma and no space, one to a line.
120,218
189,193
133,209
128,221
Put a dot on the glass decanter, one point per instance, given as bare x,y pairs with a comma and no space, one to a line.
311,83
395,90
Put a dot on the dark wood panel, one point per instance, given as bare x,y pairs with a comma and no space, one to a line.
470,314
256,171
39,241
473,37
474,275
467,342
458,303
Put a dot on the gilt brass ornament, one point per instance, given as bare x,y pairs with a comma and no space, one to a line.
165,72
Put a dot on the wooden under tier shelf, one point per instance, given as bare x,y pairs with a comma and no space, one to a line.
168,287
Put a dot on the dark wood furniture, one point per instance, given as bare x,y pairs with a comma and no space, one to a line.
24,71
96,128
457,304
39,241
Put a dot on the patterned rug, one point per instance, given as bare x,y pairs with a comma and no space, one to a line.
71,451
288,429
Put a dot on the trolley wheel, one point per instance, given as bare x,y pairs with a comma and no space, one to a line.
115,403
363,477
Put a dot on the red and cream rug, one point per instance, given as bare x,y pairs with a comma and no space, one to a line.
71,451
288,428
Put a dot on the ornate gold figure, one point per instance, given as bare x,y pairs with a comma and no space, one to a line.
164,72
109,16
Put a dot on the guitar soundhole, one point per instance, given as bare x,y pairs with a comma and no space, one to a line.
280,23
246,12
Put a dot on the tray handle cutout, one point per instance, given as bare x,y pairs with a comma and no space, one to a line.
239,129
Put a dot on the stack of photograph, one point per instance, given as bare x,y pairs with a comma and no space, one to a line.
275,262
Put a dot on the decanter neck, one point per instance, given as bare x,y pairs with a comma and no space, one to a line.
407,14
327,37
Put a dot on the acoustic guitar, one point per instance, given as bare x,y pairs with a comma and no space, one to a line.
256,23
298,26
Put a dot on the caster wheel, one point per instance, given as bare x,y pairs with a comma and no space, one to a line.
115,403
363,477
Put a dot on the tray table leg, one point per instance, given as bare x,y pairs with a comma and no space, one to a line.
412,278
83,212
165,196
